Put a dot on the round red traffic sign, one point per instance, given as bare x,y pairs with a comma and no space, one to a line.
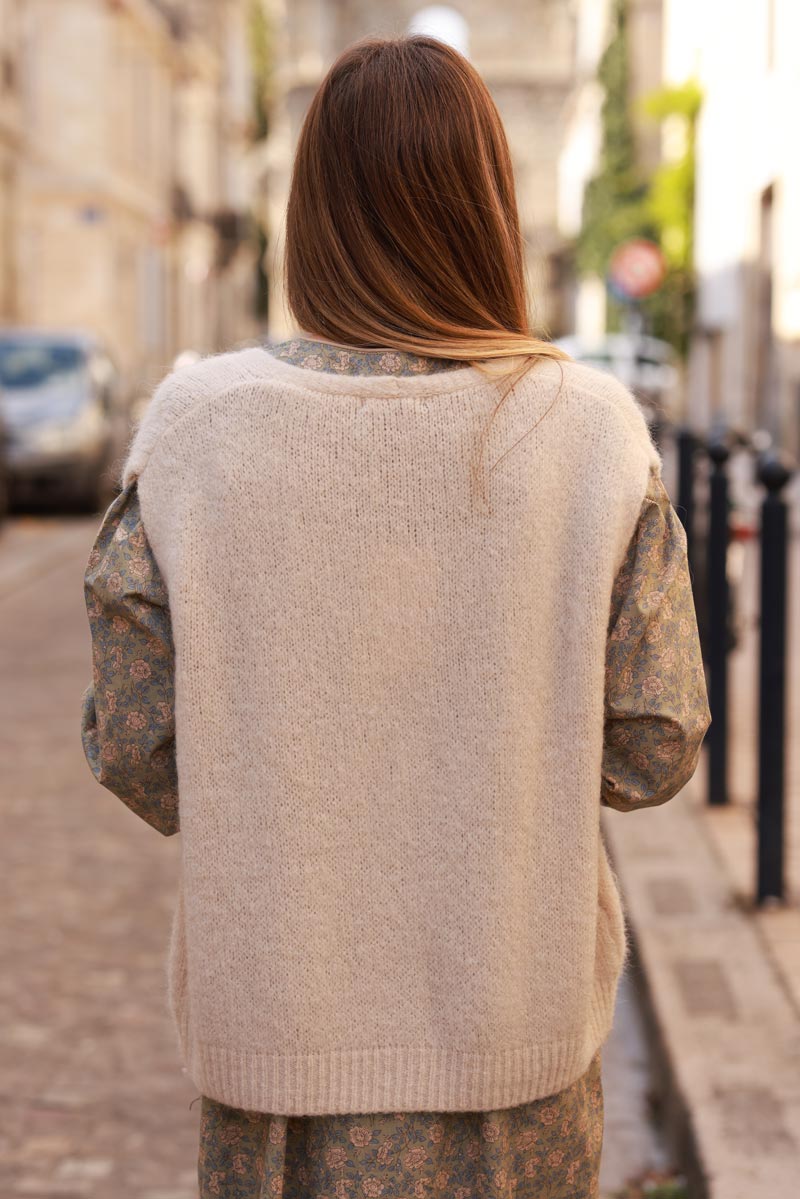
637,268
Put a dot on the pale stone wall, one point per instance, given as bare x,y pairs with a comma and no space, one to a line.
747,59
10,137
118,105
96,174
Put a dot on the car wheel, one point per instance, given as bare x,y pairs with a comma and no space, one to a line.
99,489
5,497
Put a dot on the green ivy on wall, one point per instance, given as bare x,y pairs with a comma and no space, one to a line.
261,50
613,203
670,207
621,202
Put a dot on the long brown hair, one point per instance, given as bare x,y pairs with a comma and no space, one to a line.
402,227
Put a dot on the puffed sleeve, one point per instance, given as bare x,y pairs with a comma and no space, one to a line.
128,719
656,709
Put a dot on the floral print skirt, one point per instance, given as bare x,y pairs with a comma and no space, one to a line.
547,1149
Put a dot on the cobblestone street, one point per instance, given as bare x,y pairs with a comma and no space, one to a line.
94,1099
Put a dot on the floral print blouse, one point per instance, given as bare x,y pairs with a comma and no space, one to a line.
656,703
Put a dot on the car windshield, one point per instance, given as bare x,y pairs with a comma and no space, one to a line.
32,365
594,357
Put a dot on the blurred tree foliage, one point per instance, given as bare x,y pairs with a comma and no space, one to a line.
670,206
613,204
261,50
621,202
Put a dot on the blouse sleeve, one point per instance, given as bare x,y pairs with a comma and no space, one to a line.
656,710
128,719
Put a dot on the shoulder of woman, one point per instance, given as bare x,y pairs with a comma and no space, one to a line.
598,390
178,393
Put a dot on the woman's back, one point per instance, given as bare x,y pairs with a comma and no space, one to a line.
389,707
379,629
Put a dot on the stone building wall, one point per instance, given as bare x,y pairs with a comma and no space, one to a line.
126,162
10,138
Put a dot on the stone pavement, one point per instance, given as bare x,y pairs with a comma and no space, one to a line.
728,1033
633,1143
93,1100
723,978
733,828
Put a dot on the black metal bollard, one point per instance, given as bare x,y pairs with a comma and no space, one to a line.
774,474
717,621
686,445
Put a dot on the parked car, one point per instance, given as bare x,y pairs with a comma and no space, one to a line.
67,423
4,471
644,364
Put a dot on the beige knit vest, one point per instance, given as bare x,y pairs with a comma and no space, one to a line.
394,893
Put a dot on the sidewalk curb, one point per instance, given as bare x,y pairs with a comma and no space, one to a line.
726,1039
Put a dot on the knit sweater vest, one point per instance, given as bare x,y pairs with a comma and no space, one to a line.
389,697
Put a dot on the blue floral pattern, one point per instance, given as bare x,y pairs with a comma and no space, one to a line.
128,719
656,705
347,360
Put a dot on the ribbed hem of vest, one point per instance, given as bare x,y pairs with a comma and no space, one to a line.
396,1078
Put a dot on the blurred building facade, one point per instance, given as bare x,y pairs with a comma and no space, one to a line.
124,185
10,143
745,361
524,49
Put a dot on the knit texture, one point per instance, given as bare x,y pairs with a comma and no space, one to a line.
394,892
